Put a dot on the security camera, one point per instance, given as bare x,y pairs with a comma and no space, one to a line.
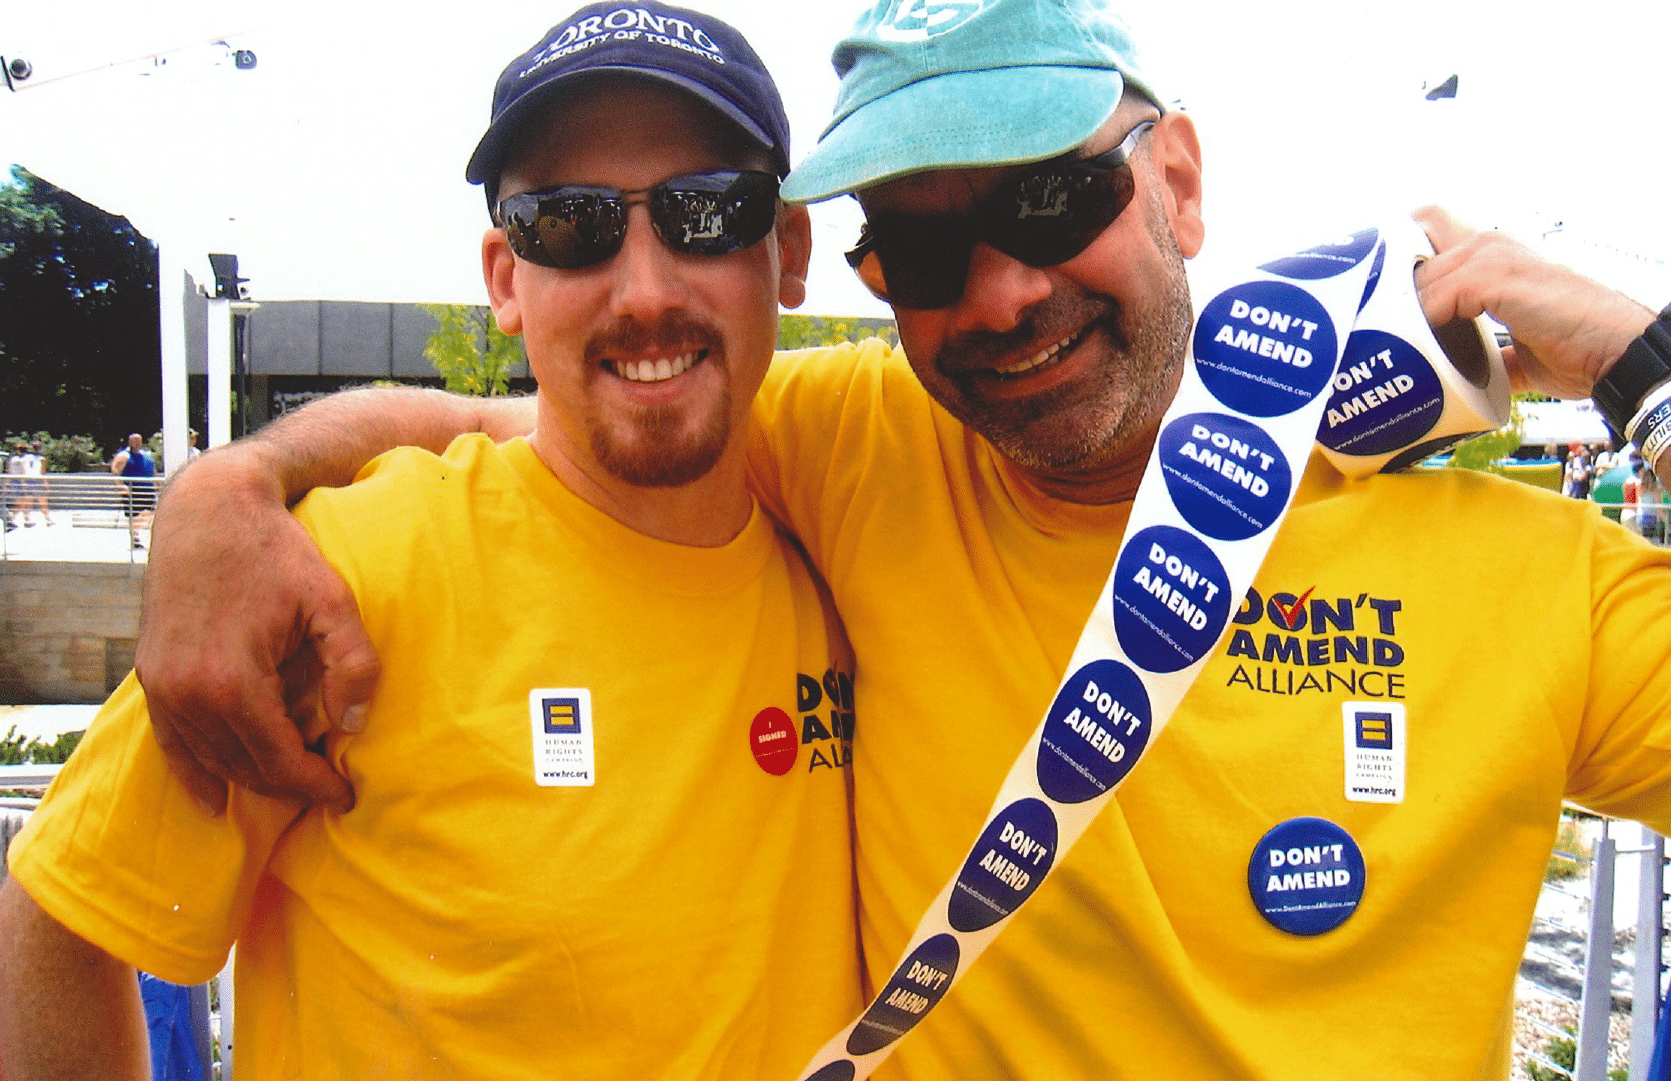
19,69
243,60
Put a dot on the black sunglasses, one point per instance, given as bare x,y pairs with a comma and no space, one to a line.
1043,218
575,226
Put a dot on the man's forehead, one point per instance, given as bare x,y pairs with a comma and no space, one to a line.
625,110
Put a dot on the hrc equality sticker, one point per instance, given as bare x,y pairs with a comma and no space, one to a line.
561,722
1226,476
1306,876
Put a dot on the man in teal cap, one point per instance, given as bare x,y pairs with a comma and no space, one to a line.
1030,205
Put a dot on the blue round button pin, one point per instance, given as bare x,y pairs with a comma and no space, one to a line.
1306,876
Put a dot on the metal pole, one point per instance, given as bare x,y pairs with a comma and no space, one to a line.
171,304
1650,933
219,371
224,983
1591,1061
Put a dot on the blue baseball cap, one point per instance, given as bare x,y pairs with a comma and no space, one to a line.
687,49
978,82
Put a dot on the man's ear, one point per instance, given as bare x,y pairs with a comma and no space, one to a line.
499,272
794,246
1177,157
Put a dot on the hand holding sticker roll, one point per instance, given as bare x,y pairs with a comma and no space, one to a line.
1405,390
1566,328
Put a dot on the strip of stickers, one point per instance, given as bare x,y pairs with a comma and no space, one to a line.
1233,445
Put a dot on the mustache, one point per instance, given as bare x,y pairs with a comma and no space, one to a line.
1050,320
669,334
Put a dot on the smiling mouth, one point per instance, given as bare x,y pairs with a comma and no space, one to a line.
656,369
1044,358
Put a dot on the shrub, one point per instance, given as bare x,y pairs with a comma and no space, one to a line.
18,750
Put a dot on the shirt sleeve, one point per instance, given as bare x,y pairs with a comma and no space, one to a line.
1621,763
120,854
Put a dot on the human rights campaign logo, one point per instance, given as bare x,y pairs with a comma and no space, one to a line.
1374,731
562,716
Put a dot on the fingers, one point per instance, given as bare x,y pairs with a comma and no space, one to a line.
279,765
262,751
228,597
1567,329
206,788
346,655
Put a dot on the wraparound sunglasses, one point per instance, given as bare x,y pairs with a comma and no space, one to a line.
1042,217
574,226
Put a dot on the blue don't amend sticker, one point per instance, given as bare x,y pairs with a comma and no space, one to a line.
1227,476
1171,598
1096,729
1326,260
1306,876
1006,865
1265,348
920,981
1386,396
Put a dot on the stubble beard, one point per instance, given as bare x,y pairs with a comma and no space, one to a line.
1088,423
661,446
661,450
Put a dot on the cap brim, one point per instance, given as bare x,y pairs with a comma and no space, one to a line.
970,118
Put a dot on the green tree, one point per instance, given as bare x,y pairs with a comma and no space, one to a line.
470,351
1485,452
78,316
805,331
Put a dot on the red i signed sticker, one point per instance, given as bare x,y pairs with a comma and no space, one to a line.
772,739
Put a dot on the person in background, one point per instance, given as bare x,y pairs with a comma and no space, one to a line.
1578,473
34,485
138,470
11,486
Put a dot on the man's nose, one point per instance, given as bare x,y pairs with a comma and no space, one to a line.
648,276
997,292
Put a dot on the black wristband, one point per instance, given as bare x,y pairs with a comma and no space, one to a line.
1645,364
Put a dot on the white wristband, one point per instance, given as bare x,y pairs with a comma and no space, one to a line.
1656,404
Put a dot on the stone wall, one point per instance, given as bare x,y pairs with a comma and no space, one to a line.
67,630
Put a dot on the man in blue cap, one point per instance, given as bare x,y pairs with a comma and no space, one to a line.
1030,204
600,843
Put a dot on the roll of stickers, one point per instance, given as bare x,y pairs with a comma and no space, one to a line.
1404,390
1265,360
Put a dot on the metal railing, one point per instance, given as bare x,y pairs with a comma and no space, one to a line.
81,515
1639,974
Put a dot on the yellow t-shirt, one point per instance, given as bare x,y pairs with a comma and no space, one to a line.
1526,641
688,914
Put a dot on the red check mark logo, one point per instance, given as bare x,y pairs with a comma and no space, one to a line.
1291,612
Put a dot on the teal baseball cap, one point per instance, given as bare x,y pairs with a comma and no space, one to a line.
932,84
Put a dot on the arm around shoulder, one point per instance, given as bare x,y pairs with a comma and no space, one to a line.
68,1010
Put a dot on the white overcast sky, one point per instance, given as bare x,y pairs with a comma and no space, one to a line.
335,168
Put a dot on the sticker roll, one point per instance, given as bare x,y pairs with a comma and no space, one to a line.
1405,390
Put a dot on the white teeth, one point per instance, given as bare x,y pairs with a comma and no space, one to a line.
1043,356
654,371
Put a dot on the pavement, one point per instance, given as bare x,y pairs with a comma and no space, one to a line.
75,537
